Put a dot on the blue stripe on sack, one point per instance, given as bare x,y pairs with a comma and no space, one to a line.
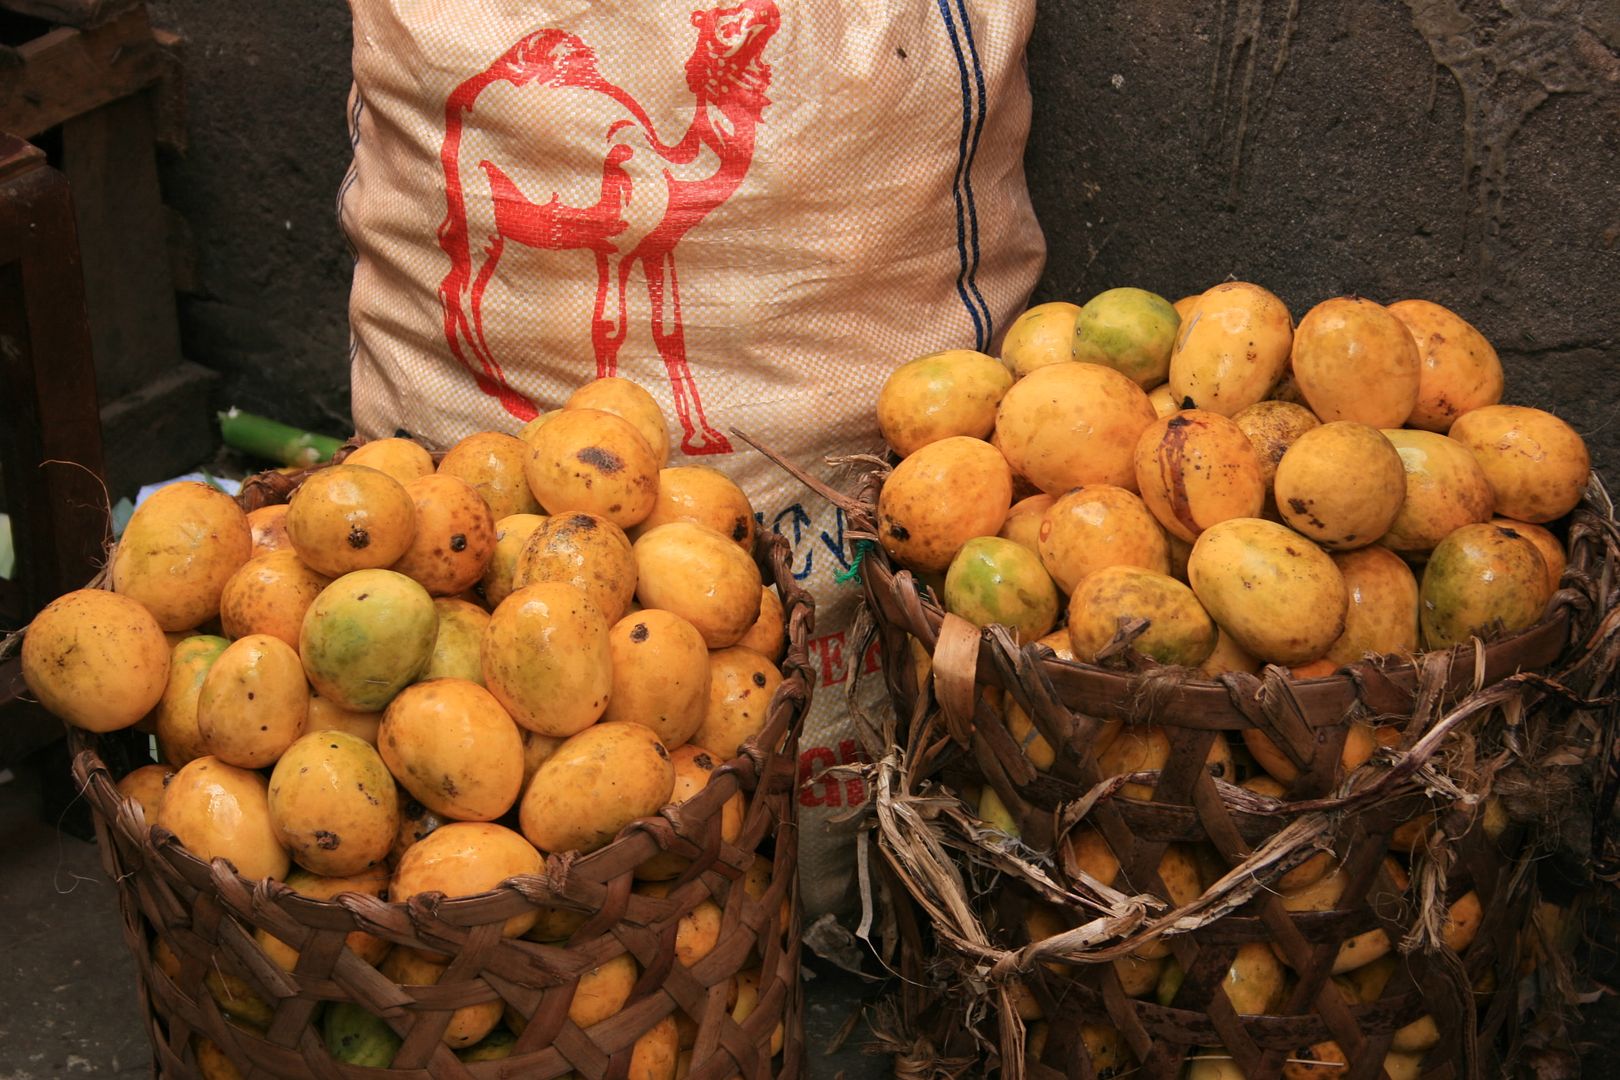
967,181
980,337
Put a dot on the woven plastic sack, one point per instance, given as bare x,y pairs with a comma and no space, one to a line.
755,211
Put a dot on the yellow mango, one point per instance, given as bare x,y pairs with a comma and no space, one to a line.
939,396
1341,485
546,659
1042,335
1458,369
1280,596
1231,349
1197,468
1536,464
939,498
511,536
585,551
1382,615
333,804
452,746
1096,526
1179,631
269,594
492,464
587,459
596,783
660,675
253,703
465,858
97,660
741,685
1272,427
1353,360
631,403
350,517
219,811
177,552
399,458
454,539
1445,490
702,496
367,636
1065,425
1480,578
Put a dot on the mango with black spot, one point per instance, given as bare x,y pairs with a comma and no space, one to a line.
1272,427
1195,469
694,766
452,746
700,575
348,517
660,675
596,783
583,550
269,594
992,580
630,402
587,459
455,535
254,702
546,659
1278,595
939,498
333,804
1231,349
367,636
741,685
95,659
1341,485
1481,579
702,496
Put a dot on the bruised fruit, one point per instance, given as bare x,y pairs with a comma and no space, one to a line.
1481,579
939,396
349,517
1280,596
586,459
453,747
1096,526
939,498
1042,335
96,659
1065,425
660,674
992,580
333,804
221,812
1272,427
1458,370
177,552
1536,464
491,463
1340,485
741,685
1177,630
1353,360
269,595
1445,490
631,403
701,576
595,784
254,702
702,496
455,536
367,636
1231,349
1197,468
585,551
546,659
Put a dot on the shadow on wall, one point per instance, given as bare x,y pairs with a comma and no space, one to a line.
267,302
1461,152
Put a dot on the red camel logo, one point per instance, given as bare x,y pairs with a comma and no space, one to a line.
652,194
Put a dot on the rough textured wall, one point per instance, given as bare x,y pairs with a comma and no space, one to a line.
1463,152
1454,150
267,306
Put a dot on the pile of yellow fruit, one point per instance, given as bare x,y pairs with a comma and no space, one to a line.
426,679
1259,492
1236,491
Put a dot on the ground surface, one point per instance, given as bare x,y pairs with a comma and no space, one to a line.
69,1006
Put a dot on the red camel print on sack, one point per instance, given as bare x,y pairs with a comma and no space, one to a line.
652,194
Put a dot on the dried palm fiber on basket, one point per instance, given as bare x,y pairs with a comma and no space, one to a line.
207,914
1527,720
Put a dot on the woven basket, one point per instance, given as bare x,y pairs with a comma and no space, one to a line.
207,914
1472,720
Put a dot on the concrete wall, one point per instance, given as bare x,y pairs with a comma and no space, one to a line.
1451,150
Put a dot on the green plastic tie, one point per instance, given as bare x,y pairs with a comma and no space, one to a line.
844,577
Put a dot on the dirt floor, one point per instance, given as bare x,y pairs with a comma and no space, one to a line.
69,1006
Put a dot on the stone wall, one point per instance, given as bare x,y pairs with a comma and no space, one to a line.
1455,151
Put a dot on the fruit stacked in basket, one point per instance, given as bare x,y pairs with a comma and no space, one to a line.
1213,640
502,738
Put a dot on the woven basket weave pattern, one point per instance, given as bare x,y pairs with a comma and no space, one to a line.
207,915
961,891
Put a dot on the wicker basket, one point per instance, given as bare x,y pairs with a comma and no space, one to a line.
1472,720
207,914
